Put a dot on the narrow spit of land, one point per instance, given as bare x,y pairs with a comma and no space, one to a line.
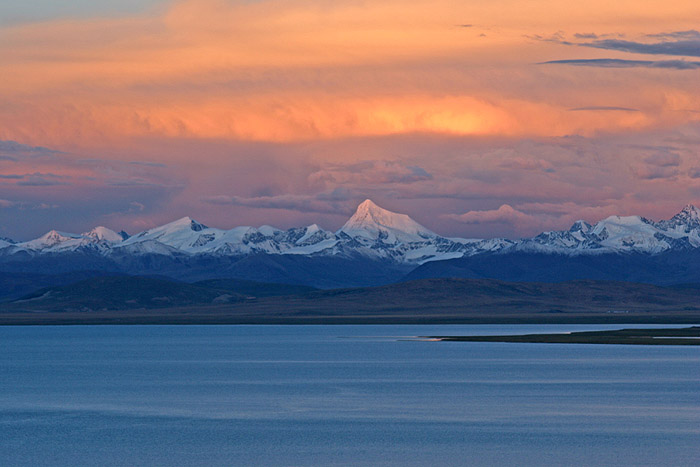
682,336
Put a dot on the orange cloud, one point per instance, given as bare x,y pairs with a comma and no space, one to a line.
291,70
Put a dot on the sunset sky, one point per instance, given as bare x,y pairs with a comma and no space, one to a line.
478,119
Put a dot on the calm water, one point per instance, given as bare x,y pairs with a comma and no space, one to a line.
339,395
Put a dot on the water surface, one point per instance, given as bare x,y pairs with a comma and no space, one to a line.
340,395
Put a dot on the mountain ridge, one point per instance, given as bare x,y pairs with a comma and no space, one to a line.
375,246
373,227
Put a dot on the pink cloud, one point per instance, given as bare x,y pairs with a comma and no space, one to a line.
254,112
504,214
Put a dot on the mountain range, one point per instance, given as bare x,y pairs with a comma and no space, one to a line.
375,246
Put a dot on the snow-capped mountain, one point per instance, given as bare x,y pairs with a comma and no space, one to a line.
371,232
190,237
620,234
99,238
373,223
374,233
103,234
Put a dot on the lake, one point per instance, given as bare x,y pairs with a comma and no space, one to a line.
340,395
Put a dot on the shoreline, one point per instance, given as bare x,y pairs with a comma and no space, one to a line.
663,336
198,317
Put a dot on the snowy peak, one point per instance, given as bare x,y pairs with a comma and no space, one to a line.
99,237
624,221
373,232
103,234
184,233
373,222
312,234
186,223
54,236
688,219
50,239
580,226
689,211
622,225
622,234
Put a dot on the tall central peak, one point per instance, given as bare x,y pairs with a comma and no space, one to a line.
372,221
369,208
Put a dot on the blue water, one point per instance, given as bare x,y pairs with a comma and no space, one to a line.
339,395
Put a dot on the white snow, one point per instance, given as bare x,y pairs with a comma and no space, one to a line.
314,248
104,234
55,241
372,222
377,233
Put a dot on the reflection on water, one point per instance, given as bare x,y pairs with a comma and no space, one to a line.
340,395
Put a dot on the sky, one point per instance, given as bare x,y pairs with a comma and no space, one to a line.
478,119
